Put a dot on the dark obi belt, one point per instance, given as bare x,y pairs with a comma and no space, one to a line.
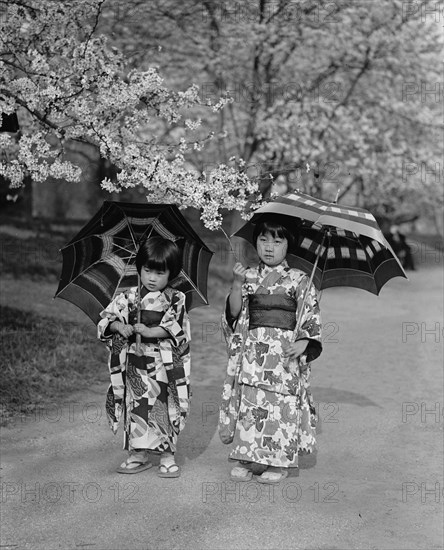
149,319
272,310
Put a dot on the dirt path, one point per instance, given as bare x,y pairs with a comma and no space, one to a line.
376,482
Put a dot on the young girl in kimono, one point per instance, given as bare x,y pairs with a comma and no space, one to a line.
266,401
149,380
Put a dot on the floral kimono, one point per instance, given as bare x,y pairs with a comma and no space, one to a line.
267,410
151,389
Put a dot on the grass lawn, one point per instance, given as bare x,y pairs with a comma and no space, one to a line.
44,359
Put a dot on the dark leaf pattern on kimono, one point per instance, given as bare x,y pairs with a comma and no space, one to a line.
247,420
259,414
270,444
312,328
291,449
271,377
236,343
292,385
261,351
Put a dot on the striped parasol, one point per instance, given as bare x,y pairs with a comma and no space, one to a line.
337,245
99,262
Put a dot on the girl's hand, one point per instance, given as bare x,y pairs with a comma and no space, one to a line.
123,330
294,349
239,272
143,330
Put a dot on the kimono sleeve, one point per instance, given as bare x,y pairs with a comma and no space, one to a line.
175,320
117,310
228,322
310,326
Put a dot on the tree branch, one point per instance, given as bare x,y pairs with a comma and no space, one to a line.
344,101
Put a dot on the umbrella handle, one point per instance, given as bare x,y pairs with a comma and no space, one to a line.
301,310
138,336
304,299
138,339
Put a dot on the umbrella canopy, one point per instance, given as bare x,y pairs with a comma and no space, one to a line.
99,262
344,245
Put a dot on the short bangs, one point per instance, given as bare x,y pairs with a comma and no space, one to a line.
159,254
276,229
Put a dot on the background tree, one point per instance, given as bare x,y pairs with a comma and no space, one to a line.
353,89
350,90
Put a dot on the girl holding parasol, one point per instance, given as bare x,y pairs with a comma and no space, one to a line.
148,331
267,412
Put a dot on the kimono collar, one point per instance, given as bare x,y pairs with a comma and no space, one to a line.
144,293
163,296
268,275
265,269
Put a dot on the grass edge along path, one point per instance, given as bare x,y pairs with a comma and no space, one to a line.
44,359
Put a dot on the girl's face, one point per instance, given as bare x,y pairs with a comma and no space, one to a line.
153,280
271,250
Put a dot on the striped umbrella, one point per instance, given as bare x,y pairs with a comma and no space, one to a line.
336,245
99,262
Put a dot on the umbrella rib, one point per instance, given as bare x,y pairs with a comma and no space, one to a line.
100,236
328,237
101,259
123,274
195,287
123,248
151,227
129,228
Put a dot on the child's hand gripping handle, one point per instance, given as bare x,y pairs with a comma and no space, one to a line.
138,335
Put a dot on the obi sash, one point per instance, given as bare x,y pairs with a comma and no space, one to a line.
149,319
272,310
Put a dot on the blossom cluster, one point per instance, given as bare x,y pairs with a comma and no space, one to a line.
67,84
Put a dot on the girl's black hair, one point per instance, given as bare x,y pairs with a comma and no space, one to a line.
276,227
159,254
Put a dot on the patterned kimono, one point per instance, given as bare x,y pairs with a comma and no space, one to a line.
151,389
267,395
